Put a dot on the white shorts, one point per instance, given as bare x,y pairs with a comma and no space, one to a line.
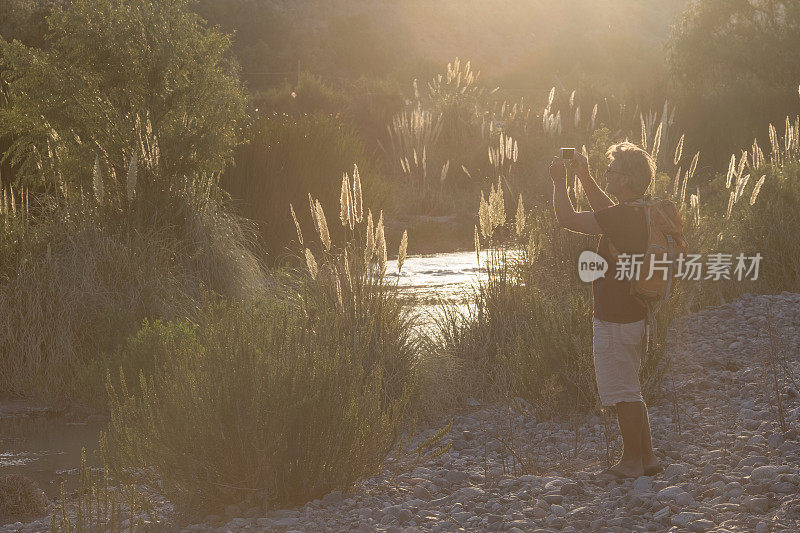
618,351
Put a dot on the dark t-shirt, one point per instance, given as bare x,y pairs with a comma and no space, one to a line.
626,227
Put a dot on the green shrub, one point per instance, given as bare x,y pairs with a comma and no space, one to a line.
112,71
253,400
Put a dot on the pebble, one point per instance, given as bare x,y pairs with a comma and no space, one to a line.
682,519
675,470
643,484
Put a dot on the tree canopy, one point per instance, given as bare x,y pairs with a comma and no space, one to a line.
736,66
112,71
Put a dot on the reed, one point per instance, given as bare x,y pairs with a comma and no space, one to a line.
322,370
289,157
82,274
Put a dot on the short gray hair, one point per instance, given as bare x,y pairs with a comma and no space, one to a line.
633,162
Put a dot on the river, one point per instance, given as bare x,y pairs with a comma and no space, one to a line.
432,280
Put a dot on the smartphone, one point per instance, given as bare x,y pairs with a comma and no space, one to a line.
567,153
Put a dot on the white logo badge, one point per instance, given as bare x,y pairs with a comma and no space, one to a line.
591,266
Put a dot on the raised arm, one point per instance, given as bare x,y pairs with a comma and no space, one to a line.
577,221
598,199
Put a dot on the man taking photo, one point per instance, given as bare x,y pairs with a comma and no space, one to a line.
619,317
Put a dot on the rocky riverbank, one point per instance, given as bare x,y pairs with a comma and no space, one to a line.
725,428
729,465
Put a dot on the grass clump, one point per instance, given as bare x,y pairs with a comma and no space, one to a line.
288,397
251,400
87,269
523,336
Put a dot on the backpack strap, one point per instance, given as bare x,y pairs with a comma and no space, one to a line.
651,326
671,257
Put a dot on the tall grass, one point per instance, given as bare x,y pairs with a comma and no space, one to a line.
747,211
521,337
286,398
288,157
86,268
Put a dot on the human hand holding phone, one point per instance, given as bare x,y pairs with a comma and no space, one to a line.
558,171
578,164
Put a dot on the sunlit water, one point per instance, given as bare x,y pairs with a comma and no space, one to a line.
433,280
45,448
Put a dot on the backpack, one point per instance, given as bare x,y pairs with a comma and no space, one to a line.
664,241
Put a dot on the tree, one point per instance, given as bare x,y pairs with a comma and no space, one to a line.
24,20
265,38
736,66
112,72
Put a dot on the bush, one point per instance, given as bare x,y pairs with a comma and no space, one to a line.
524,343
85,271
253,401
746,212
766,229
111,72
289,397
287,158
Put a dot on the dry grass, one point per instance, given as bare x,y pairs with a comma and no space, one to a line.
20,499
86,270
286,398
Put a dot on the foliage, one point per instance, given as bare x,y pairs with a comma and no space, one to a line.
112,72
253,402
289,397
523,335
349,288
611,47
24,20
735,67
83,273
764,227
289,157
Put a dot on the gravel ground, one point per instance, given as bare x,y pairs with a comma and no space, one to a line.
728,464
